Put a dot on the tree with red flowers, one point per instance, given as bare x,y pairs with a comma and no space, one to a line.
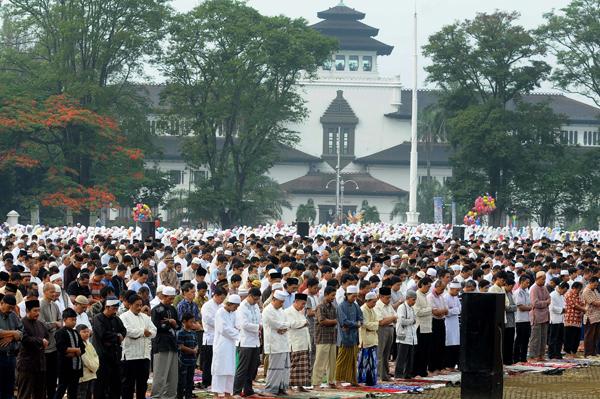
81,159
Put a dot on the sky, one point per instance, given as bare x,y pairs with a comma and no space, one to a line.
394,18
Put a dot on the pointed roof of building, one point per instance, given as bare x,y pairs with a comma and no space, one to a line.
342,22
339,111
315,183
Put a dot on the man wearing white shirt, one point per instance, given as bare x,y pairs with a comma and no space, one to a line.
80,305
208,311
277,346
249,322
137,346
557,309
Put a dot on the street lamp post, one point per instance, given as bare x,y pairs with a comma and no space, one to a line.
341,184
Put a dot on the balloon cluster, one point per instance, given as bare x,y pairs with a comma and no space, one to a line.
142,213
484,205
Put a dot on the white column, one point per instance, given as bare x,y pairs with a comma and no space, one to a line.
412,216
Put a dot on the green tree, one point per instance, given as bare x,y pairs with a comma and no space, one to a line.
573,37
307,212
89,51
233,74
431,130
370,213
483,67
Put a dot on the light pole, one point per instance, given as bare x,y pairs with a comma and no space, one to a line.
338,211
341,184
412,216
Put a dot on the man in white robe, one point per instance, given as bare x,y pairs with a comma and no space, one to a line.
452,324
276,345
208,313
226,336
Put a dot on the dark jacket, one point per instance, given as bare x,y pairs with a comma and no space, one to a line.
165,340
106,339
69,366
31,357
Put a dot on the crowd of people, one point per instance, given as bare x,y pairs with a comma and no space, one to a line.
94,312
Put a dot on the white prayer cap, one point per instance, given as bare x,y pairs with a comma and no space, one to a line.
364,269
122,247
456,268
219,249
52,264
196,261
273,271
57,288
431,272
54,277
169,291
243,292
300,252
518,265
370,295
286,270
352,289
227,253
277,286
234,299
564,272
420,274
160,289
455,284
112,302
281,295
394,257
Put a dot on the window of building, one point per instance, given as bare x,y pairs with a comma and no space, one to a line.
367,62
564,137
353,62
176,176
340,62
332,141
596,138
573,136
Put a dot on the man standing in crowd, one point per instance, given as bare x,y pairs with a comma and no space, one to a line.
522,319
137,347
350,319
299,343
11,332
276,344
164,348
591,299
439,311
226,336
108,334
249,322
367,357
51,317
452,325
574,310
325,339
69,347
387,323
540,317
209,311
31,361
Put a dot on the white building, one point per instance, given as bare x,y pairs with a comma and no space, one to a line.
373,115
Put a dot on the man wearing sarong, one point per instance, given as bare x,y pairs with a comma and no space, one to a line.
299,343
350,319
367,357
277,346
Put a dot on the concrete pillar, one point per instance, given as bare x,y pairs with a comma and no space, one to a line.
12,218
69,217
35,215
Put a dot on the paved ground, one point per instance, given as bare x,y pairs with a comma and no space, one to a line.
573,384
581,383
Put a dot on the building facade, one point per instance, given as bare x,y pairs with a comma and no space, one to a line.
368,116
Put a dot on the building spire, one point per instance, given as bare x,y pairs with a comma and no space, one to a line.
341,4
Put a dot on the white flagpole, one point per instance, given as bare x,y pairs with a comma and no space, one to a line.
412,216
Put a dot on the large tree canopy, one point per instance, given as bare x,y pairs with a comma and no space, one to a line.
484,66
234,74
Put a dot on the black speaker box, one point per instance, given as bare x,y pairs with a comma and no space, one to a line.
148,230
481,330
302,229
458,232
481,385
